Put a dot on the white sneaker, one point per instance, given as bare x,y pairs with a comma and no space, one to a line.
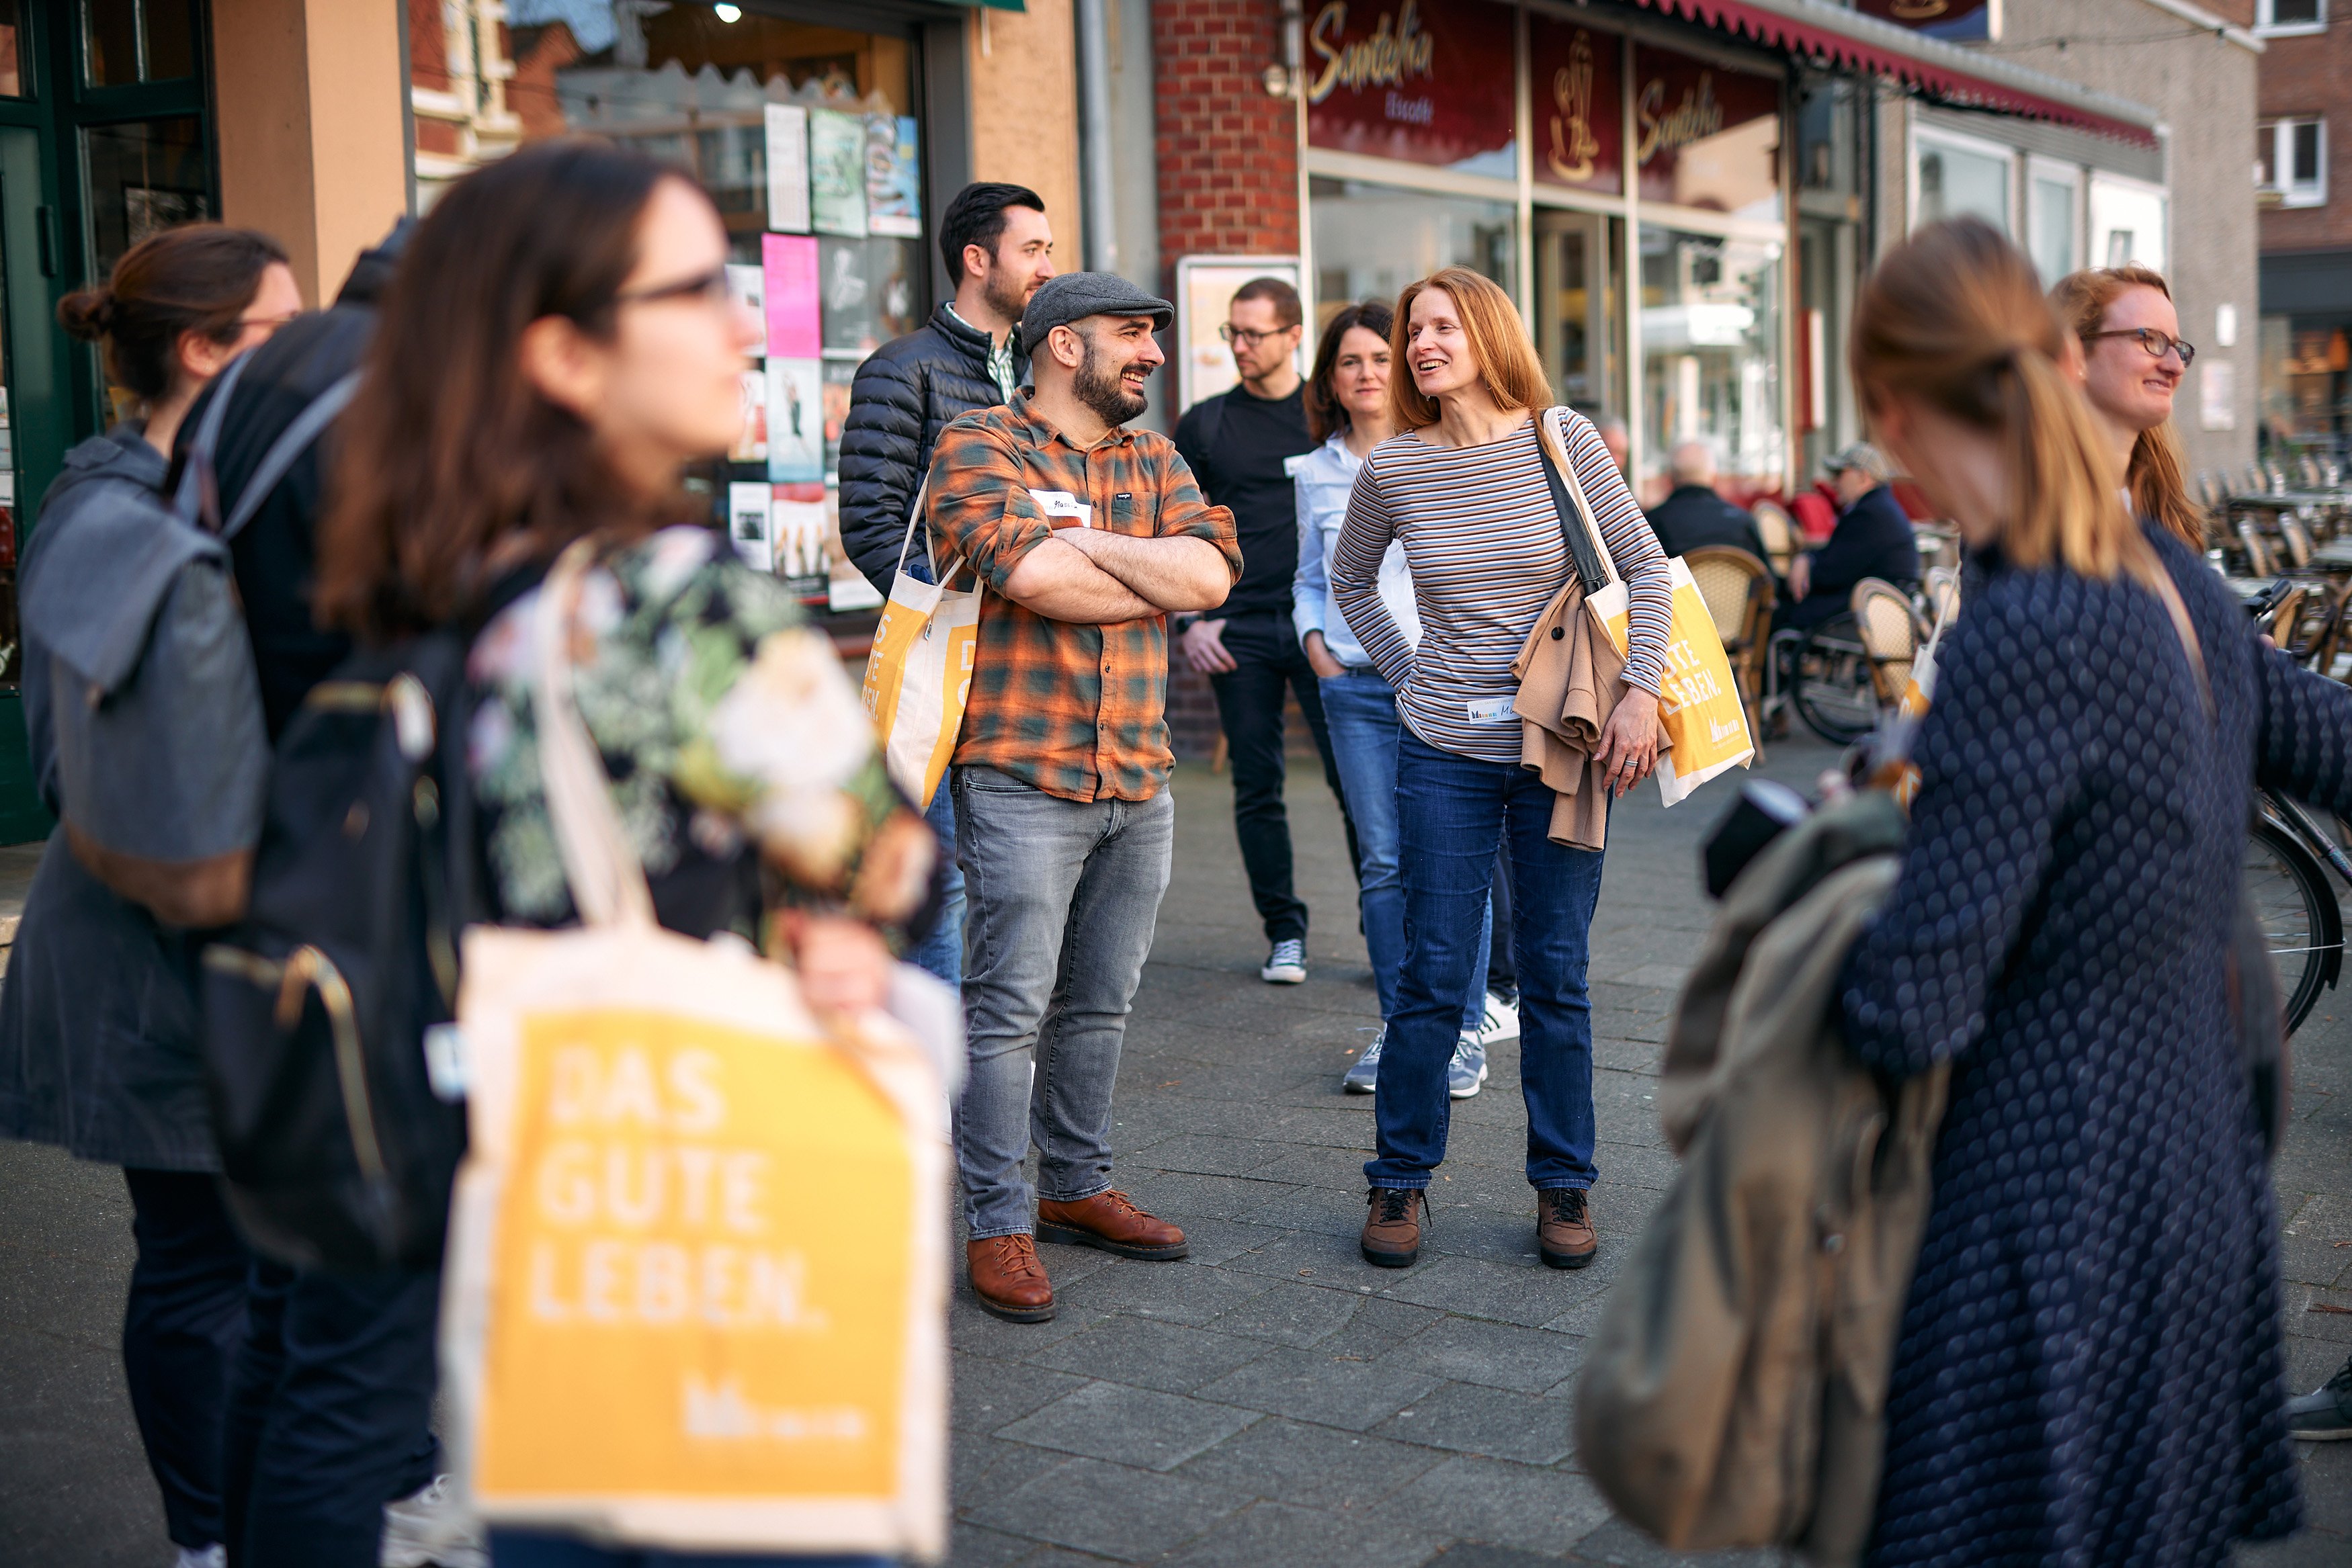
213,1556
1502,1020
1287,965
436,1527
1363,1074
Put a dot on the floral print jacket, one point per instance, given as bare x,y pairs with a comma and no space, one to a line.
738,751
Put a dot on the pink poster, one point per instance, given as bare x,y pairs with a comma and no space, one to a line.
795,331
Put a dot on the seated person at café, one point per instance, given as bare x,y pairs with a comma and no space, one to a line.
1693,516
1873,538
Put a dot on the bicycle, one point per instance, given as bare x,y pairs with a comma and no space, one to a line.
2288,857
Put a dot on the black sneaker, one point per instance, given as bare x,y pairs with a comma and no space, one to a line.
2325,1415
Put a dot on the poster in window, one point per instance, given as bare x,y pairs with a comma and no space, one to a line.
1434,84
802,558
839,376
838,172
750,285
795,420
867,289
789,289
751,440
1580,105
788,168
1706,136
894,177
750,525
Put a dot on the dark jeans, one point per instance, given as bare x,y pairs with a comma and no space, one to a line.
528,1549
1502,969
1269,662
1452,812
179,1332
330,1414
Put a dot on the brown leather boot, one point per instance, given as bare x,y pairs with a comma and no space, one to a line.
1564,1233
1111,1221
1009,1280
1391,1238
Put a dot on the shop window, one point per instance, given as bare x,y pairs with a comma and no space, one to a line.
1706,136
2053,201
1371,240
1580,309
2129,223
126,42
2292,162
1710,358
2290,17
1828,143
12,48
1953,179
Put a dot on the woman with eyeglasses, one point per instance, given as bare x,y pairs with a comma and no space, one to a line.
2132,364
558,347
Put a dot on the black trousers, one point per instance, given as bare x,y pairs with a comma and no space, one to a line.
180,1329
1269,662
329,1413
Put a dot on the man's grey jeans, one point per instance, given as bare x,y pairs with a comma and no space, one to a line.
1060,899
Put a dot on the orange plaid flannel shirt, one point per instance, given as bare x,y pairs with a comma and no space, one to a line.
1077,711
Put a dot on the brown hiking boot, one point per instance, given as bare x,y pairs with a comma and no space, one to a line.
1009,1280
1111,1221
1564,1234
1391,1238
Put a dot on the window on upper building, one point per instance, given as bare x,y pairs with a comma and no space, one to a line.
2292,160
2290,15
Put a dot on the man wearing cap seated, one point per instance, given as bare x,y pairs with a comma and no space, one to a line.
1873,538
1085,534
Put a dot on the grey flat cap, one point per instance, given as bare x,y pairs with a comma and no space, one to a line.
1072,297
1862,454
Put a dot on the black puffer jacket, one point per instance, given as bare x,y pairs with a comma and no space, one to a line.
905,394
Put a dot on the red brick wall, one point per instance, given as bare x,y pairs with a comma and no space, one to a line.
2309,74
1228,150
428,46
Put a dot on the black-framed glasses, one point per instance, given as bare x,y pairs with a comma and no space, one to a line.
2155,342
1249,338
708,287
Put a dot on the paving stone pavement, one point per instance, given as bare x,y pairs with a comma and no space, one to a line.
1272,1400
1275,1400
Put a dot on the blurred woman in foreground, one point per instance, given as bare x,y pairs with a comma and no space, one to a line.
559,344
2090,1367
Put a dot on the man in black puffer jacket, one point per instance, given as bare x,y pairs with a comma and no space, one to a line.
998,248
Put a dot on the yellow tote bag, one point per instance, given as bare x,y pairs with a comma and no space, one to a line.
920,673
695,1296
1698,701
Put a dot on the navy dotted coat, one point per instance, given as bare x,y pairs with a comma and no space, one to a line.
2090,1370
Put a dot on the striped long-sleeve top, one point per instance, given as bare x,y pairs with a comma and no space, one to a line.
1483,540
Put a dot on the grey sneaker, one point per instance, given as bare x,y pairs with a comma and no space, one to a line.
1467,1071
1287,965
2324,1415
1501,1022
1364,1074
436,1527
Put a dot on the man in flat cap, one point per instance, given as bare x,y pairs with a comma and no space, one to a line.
1873,538
1086,536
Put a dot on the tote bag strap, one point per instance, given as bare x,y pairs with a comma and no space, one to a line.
608,883
1586,548
915,520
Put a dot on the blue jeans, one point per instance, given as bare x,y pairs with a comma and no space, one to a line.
1452,813
1360,707
940,953
1063,898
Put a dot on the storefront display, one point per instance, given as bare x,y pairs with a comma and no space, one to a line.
810,139
1388,82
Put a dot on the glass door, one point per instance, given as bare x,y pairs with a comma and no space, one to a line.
1580,309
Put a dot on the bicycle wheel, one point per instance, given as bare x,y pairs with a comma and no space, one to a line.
2285,886
1830,687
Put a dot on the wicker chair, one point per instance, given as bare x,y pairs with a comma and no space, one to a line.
1738,592
1890,632
2296,538
1942,590
1778,530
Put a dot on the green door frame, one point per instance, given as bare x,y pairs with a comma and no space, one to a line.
56,395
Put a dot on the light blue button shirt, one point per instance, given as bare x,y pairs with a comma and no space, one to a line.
1322,479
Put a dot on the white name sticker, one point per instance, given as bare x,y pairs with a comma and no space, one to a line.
1492,710
1062,504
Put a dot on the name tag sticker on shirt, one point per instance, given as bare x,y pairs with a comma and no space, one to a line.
1492,710
1062,504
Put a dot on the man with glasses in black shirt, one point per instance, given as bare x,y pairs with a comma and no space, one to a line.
1237,444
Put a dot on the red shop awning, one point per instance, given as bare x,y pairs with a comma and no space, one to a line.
1945,72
